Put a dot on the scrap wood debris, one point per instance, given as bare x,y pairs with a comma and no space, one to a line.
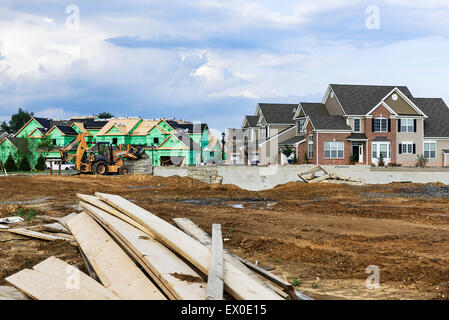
134,254
327,176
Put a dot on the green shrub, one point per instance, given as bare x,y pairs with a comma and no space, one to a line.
10,164
24,164
40,164
26,213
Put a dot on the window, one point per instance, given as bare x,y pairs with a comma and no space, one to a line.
407,148
379,149
310,146
156,140
212,153
430,150
334,150
407,125
54,142
114,140
357,125
380,125
300,125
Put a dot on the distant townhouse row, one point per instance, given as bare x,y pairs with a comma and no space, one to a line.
362,124
166,142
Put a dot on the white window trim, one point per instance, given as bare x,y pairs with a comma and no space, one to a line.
381,118
423,150
387,159
330,150
413,125
406,143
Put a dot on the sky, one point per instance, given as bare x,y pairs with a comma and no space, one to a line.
211,60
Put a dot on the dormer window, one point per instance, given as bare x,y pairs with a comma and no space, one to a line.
301,125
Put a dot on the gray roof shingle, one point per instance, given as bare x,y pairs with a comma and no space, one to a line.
292,141
278,113
252,120
437,111
321,119
360,99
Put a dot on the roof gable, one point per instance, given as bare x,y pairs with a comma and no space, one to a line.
278,113
165,126
172,142
361,99
321,119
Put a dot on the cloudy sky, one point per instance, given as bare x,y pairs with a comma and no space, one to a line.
212,60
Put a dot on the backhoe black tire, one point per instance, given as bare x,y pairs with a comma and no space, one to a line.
123,171
100,168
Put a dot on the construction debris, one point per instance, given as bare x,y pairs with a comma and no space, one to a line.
326,176
137,255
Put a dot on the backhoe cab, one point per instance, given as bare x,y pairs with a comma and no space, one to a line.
101,158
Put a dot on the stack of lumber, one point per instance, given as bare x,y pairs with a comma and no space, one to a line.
133,254
327,176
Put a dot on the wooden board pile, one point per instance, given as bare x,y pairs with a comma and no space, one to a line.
327,176
132,254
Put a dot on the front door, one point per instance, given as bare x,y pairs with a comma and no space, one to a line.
356,152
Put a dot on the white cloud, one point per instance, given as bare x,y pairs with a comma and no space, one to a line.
56,113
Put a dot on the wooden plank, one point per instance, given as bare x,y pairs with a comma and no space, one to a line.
199,234
237,284
215,275
105,207
115,269
55,227
11,220
64,220
44,286
311,170
304,180
3,226
11,293
170,272
55,266
35,234
319,179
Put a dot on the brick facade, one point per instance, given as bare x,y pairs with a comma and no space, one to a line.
381,111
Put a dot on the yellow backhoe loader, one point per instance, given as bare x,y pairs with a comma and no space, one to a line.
100,158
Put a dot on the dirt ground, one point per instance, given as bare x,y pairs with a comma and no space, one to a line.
322,237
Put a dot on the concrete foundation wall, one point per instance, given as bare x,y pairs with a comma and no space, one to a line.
262,178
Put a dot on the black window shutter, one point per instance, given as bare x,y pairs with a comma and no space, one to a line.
389,125
399,125
414,148
372,125
400,148
414,125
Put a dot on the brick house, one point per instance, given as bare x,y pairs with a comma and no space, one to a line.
362,124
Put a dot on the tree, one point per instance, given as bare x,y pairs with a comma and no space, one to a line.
17,121
421,161
45,144
24,164
40,164
306,158
287,151
10,164
105,115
